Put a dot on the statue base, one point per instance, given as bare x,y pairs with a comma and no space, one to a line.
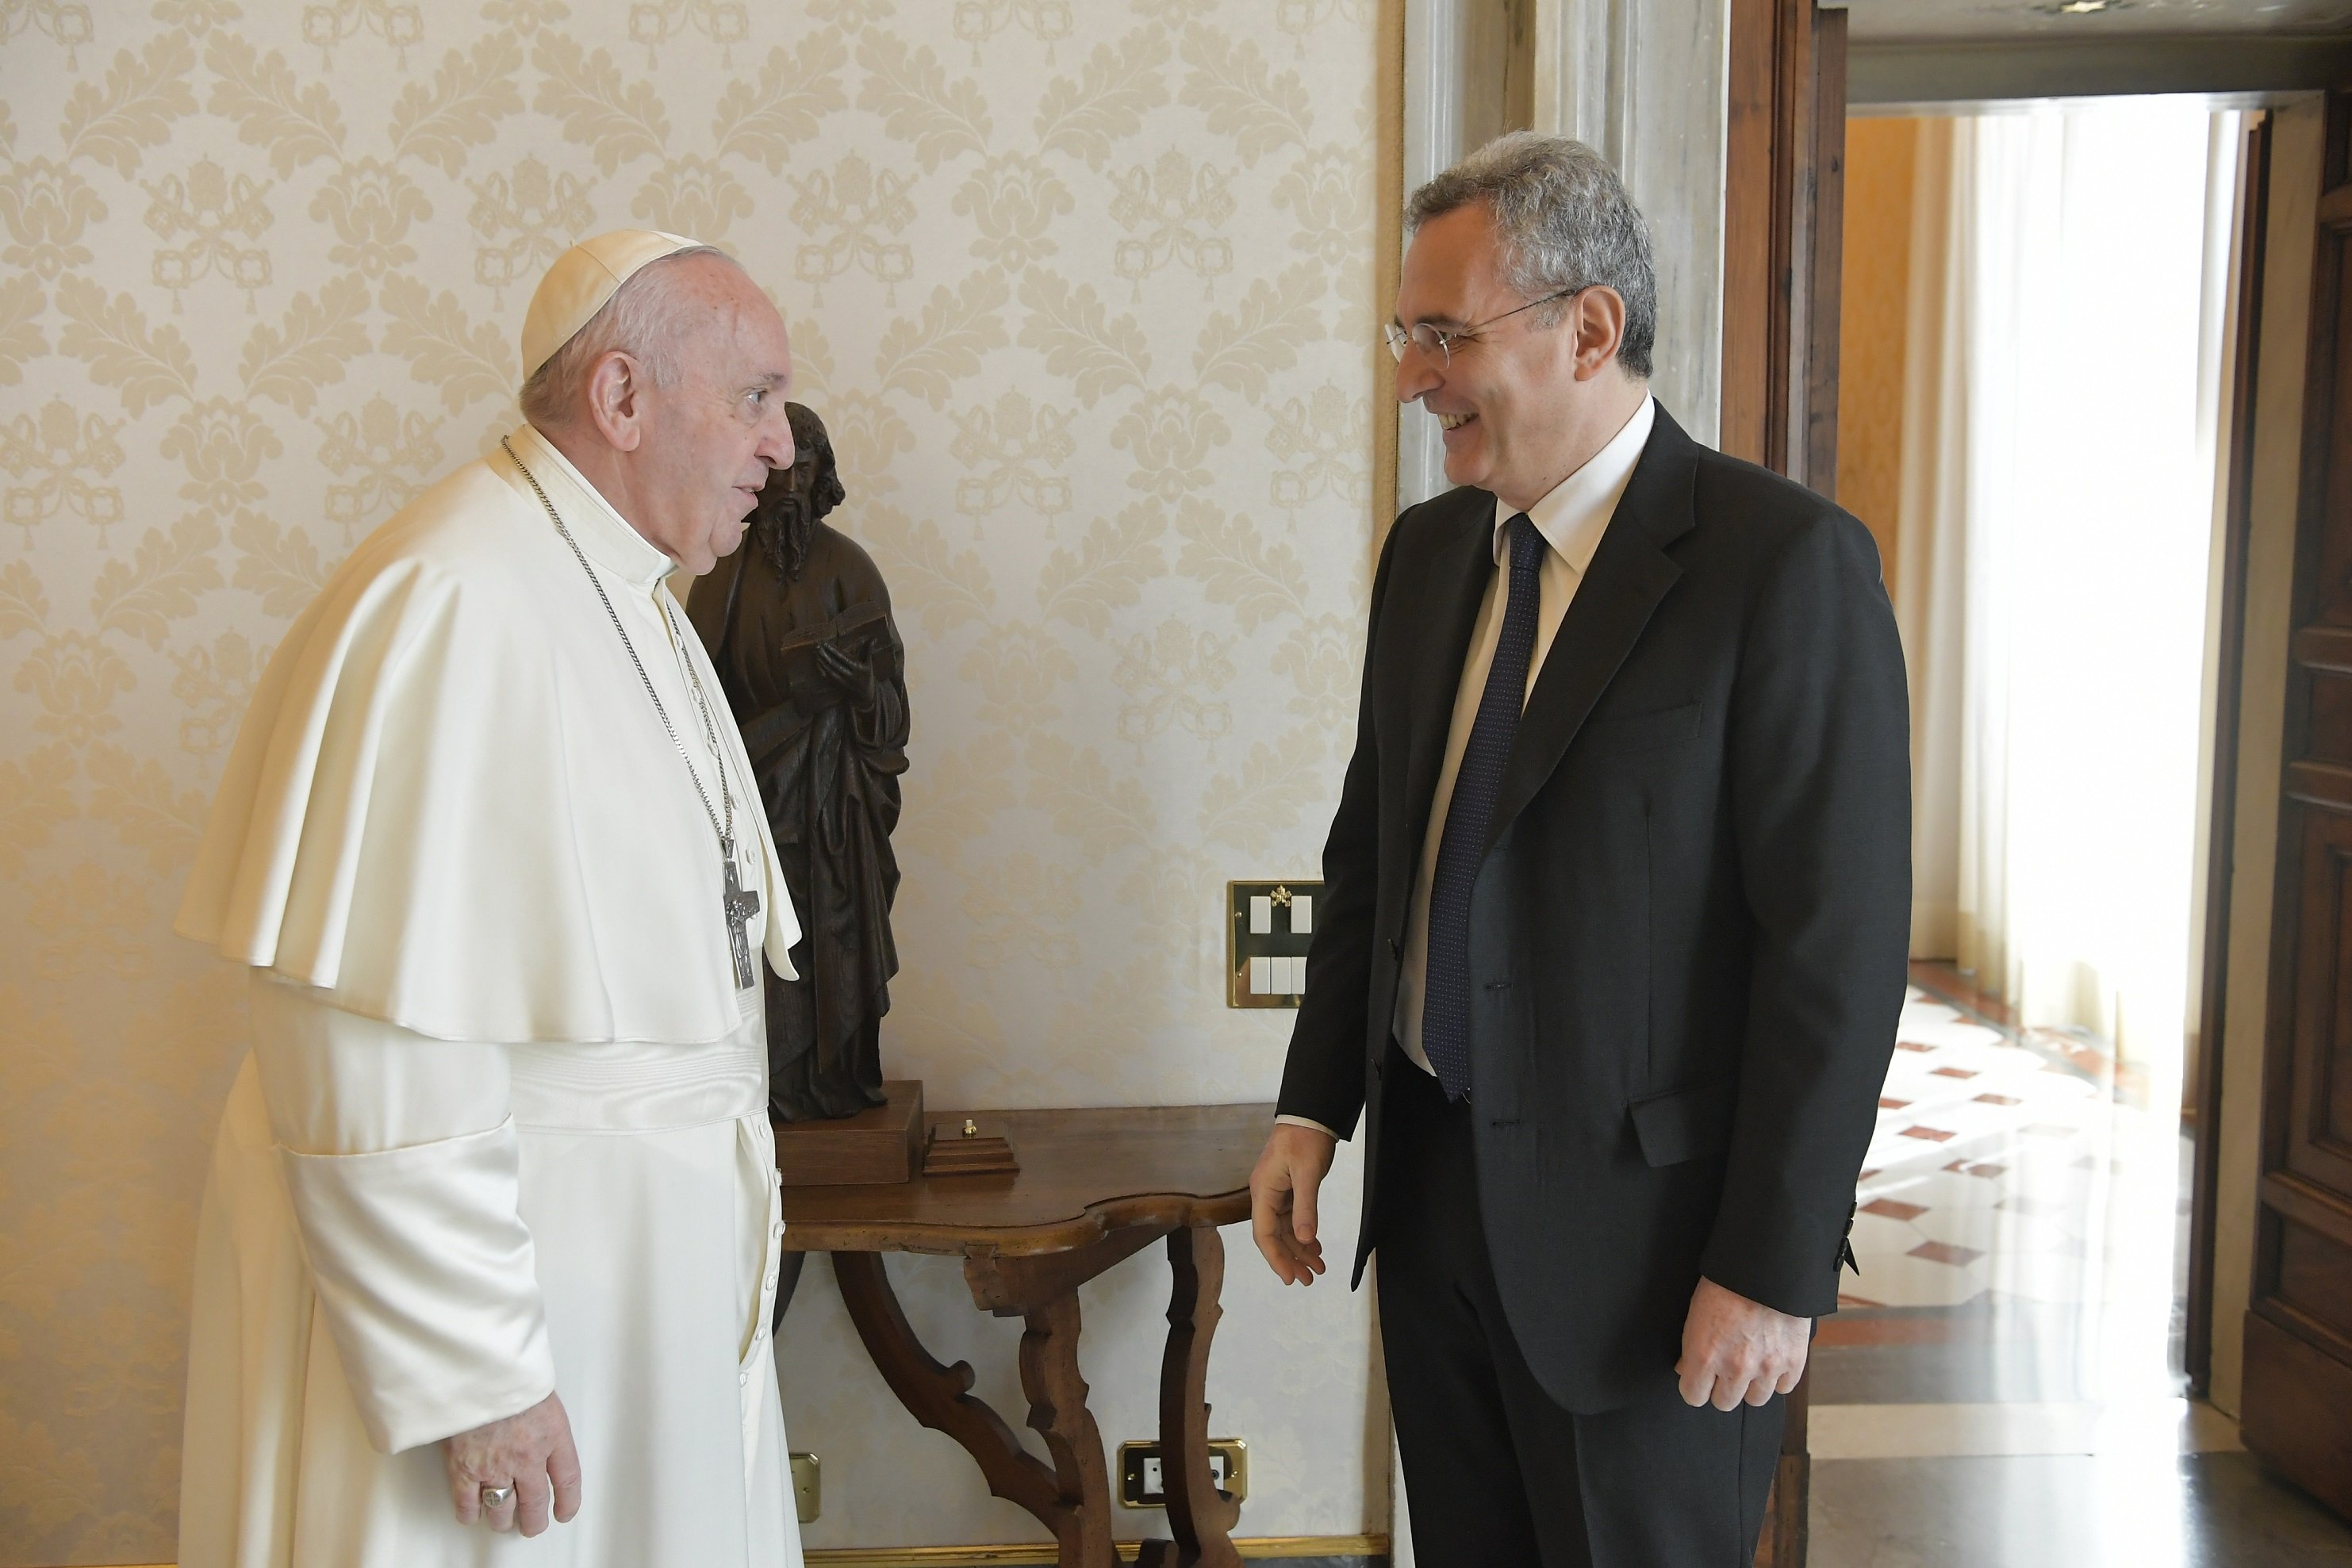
875,1147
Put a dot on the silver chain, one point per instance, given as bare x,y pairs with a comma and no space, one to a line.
709,730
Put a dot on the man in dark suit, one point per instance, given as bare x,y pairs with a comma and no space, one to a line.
1616,902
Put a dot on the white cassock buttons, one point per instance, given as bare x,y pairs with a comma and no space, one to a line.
743,1380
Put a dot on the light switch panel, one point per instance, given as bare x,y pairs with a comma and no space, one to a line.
1269,925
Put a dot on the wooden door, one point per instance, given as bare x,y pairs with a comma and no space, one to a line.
2298,1409
1783,238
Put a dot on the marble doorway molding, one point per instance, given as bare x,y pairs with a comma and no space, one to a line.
1645,81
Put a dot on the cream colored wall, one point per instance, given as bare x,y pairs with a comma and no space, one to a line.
2269,590
1085,292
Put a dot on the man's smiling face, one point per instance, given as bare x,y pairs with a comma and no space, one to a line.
1501,395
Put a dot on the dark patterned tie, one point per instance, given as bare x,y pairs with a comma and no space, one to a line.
1446,996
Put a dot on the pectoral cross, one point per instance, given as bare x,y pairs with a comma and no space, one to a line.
739,904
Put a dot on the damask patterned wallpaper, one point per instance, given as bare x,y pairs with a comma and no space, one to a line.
1084,290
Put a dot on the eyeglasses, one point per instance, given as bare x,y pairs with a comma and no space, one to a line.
1438,343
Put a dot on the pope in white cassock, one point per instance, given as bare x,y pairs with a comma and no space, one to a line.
491,1233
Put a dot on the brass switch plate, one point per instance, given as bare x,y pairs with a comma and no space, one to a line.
808,1485
1141,1483
1256,958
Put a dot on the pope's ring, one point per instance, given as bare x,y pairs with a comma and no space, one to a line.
496,1497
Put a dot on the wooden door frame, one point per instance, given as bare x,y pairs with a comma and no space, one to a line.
1784,184
1782,267
1780,408
2203,1100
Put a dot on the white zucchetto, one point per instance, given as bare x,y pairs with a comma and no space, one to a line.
581,280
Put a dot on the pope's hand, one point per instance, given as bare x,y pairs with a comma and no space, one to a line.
1736,1349
1282,1200
533,1453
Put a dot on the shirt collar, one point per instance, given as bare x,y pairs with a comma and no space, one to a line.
1576,512
603,535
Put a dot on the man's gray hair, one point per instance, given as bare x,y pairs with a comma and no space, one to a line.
646,318
1564,222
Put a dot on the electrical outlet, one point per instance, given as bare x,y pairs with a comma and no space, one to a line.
1143,1479
808,1485
1269,927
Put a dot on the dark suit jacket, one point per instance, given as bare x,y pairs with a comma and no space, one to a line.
1687,937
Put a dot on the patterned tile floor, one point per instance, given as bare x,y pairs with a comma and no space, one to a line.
2000,1389
2000,1170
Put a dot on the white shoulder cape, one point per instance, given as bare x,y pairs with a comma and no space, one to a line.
452,806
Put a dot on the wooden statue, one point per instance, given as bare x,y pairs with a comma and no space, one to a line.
797,621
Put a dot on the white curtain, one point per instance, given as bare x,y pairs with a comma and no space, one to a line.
2065,349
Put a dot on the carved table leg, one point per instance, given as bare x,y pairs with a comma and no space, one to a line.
940,1398
1199,1517
1057,1411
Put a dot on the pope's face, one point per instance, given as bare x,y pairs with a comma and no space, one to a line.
710,439
1501,394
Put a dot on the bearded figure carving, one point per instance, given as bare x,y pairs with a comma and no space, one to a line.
797,621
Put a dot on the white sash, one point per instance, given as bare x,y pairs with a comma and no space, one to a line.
633,1086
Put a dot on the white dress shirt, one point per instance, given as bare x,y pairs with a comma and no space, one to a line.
1571,517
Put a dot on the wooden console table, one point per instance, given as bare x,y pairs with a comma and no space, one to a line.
1093,1187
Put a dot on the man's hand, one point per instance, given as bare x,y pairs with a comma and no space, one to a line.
1282,1200
531,1452
1736,1349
